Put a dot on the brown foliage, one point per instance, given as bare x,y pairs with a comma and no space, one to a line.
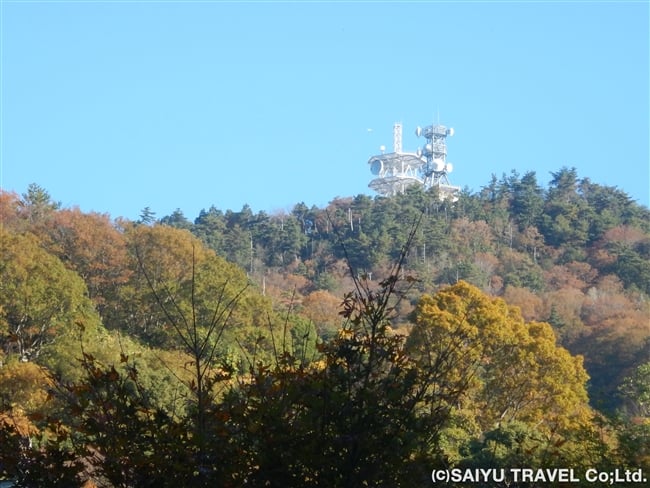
575,274
9,210
471,236
566,303
624,234
322,308
529,303
89,244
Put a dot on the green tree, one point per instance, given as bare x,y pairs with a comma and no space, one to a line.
239,246
147,216
636,390
349,419
291,240
634,428
567,215
210,227
177,219
633,267
520,270
611,208
37,204
488,361
174,277
40,300
528,201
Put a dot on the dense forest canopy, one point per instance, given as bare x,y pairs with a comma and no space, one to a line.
252,348
575,254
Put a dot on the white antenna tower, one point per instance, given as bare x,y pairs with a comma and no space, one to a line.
397,138
394,171
428,166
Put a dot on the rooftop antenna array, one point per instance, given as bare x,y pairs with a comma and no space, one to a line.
428,166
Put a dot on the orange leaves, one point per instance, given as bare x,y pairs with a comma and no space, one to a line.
17,421
528,302
23,384
322,308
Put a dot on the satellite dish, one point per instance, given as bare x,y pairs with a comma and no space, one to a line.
418,131
449,168
438,165
382,148
450,131
428,149
376,166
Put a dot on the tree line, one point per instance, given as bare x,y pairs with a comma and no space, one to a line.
368,342
575,254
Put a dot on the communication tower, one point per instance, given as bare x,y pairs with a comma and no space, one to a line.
397,170
428,166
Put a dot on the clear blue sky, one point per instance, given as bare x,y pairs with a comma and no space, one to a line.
114,106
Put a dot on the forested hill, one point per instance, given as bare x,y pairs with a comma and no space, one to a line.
575,254
529,232
172,339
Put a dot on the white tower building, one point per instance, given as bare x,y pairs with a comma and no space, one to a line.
428,166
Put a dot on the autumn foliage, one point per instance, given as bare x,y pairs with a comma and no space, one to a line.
361,344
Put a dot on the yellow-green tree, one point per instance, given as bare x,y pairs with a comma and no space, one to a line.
23,391
496,370
175,278
40,300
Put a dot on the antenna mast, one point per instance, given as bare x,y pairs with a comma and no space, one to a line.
397,138
428,166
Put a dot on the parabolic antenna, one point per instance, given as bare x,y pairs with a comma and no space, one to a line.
376,166
395,171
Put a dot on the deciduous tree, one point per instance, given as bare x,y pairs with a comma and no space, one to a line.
40,299
485,358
